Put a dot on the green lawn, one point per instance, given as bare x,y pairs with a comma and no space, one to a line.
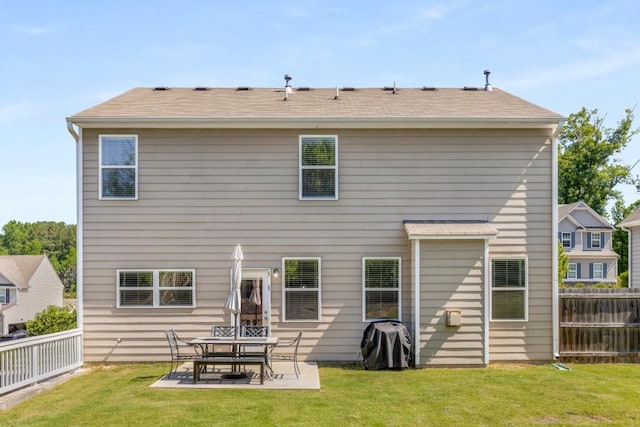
119,395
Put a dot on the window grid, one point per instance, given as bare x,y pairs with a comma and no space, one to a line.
598,270
573,271
381,283
509,289
595,240
156,288
118,167
566,240
318,168
301,285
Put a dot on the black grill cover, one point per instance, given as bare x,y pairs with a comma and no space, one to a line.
386,344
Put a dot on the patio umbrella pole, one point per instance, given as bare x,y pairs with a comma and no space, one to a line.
234,302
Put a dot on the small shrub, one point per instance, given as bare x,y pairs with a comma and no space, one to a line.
53,319
623,280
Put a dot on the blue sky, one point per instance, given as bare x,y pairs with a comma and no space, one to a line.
61,57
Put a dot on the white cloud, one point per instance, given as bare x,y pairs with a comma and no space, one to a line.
32,30
601,63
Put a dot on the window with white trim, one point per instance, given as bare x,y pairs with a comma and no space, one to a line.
301,289
156,288
5,296
566,239
595,240
318,167
509,289
598,270
118,167
572,273
381,283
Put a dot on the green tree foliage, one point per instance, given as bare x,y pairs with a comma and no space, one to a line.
563,264
586,169
53,319
55,239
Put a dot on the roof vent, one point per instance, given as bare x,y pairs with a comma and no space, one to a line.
392,88
244,88
160,88
429,88
469,88
348,89
303,89
487,85
287,87
200,88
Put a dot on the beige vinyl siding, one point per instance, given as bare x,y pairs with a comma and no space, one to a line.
452,279
203,191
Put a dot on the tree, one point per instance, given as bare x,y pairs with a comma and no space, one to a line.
586,169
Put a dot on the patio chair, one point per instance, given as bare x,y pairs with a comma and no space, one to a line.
254,331
222,331
179,352
290,354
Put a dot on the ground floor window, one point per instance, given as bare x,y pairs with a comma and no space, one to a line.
597,270
509,289
301,284
156,288
381,288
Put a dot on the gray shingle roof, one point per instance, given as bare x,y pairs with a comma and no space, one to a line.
365,103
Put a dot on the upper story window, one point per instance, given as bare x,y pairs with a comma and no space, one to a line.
301,288
118,167
381,288
5,296
509,289
318,167
596,241
566,239
156,288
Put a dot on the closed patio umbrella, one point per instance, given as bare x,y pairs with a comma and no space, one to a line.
234,302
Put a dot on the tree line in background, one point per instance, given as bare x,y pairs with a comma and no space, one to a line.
57,240
589,171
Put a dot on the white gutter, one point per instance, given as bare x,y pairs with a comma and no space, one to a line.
79,229
313,122
555,300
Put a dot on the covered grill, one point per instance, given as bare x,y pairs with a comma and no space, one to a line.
386,344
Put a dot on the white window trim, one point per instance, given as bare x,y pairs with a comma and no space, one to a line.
562,239
594,234
575,270
602,274
526,288
300,167
365,289
155,287
284,291
101,167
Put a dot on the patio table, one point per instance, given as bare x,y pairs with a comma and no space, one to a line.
238,346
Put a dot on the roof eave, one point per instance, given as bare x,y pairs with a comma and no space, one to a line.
313,122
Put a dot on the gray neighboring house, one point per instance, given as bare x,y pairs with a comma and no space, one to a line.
587,240
631,224
28,285
436,206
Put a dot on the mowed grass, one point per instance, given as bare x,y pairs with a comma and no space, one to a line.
519,395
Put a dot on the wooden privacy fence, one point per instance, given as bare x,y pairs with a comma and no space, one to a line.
599,325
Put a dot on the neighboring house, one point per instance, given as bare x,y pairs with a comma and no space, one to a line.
587,240
631,224
434,206
28,285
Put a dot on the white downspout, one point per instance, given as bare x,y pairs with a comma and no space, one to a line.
416,308
555,309
487,285
79,230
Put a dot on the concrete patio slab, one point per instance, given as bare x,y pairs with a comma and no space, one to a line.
284,378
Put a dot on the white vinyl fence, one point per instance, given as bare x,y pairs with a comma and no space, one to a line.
27,361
